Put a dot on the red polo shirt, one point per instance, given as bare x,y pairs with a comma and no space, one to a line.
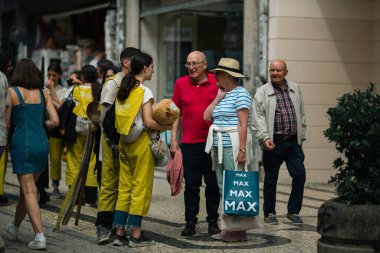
192,98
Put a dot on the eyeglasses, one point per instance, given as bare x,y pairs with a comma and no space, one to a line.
193,64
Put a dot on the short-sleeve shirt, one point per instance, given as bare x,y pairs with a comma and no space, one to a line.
4,101
192,99
147,96
60,91
225,113
110,88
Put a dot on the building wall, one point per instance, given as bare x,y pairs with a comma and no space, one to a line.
376,44
148,44
331,47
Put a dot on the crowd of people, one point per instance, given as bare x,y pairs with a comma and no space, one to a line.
43,123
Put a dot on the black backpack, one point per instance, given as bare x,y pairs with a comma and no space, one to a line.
108,125
67,119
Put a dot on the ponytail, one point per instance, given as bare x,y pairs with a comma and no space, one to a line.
127,83
138,63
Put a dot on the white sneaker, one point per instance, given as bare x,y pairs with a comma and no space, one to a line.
11,232
36,244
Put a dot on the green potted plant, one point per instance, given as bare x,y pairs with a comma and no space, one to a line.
351,222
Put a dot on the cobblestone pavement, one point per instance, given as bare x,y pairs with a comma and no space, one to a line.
165,222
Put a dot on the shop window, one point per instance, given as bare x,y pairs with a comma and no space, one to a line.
215,29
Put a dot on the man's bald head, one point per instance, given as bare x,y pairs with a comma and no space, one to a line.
279,62
197,54
196,65
278,72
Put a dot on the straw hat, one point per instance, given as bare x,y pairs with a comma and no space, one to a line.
229,66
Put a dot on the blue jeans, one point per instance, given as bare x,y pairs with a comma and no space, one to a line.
290,152
198,164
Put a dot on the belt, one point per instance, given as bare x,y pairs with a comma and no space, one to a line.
285,137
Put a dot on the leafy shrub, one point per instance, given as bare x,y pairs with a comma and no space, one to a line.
355,130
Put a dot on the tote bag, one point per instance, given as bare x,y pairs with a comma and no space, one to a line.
241,193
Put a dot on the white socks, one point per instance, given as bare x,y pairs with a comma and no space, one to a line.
40,237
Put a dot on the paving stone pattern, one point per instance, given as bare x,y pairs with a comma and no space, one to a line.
166,221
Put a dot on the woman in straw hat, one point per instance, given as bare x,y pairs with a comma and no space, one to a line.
230,110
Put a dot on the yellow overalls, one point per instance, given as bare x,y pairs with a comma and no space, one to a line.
55,156
110,170
136,165
3,169
83,95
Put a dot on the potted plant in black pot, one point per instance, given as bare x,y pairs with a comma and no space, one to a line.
351,222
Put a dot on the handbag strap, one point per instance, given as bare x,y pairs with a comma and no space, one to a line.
245,166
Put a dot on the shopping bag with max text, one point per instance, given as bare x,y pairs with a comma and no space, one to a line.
241,193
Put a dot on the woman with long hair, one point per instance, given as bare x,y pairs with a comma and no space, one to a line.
108,73
29,145
134,100
57,92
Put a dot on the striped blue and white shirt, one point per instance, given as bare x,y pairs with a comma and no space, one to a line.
225,113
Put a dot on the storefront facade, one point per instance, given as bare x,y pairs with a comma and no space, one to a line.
170,30
330,49
70,32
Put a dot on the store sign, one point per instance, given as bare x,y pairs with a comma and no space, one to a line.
173,34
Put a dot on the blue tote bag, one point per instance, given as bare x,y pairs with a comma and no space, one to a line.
240,193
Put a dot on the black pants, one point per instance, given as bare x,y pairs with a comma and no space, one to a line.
292,153
197,165
104,218
42,183
90,194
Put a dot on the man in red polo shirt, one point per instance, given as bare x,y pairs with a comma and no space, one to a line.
193,94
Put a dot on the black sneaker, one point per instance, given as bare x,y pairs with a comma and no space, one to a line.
103,234
271,219
213,228
120,240
295,218
43,200
141,242
189,230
